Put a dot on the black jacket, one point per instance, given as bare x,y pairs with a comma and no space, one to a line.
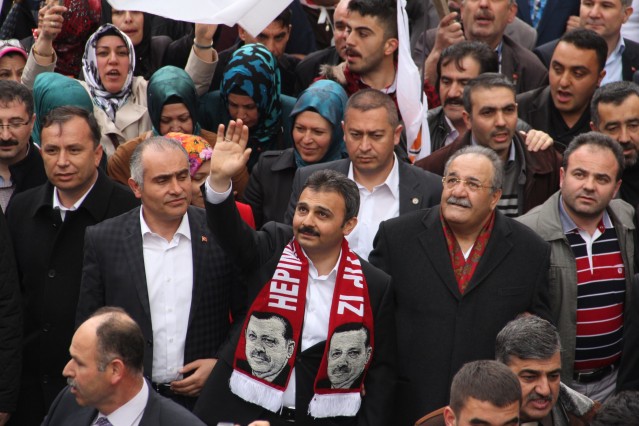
29,172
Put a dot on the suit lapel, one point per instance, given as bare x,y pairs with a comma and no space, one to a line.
199,241
133,249
409,198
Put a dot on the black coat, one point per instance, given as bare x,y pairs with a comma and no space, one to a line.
49,258
257,253
438,329
309,68
553,20
29,172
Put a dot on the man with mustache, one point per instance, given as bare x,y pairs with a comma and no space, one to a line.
530,347
561,109
460,272
490,114
160,263
348,353
614,111
592,239
21,165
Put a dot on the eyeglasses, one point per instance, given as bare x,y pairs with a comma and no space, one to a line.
451,181
15,125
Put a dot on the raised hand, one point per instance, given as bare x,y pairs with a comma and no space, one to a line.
230,154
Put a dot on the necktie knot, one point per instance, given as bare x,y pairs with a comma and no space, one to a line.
103,421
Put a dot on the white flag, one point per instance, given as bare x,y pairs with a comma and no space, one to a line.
252,15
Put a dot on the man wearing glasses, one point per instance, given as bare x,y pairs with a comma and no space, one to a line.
460,272
21,165
490,113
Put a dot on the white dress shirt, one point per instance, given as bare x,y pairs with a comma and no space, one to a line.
375,206
168,266
614,65
57,205
130,413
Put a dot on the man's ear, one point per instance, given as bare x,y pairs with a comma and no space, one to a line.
449,416
135,188
241,33
390,46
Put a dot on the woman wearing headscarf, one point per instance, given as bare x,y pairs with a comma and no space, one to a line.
119,98
318,138
251,91
172,106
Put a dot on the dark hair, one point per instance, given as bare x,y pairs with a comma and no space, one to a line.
158,143
285,17
598,140
477,50
329,180
353,326
612,93
12,91
620,410
369,99
119,337
288,329
498,168
64,114
488,381
585,39
385,11
527,337
489,80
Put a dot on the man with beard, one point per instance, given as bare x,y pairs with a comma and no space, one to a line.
592,262
21,165
530,347
490,114
614,111
454,266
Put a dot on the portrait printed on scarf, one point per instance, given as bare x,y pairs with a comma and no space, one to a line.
269,346
348,354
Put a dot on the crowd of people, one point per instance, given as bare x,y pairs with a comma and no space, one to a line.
205,226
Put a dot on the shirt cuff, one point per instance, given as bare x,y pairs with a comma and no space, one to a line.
214,197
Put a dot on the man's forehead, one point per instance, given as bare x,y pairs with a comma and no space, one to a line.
357,20
321,198
615,111
493,97
14,106
273,28
467,65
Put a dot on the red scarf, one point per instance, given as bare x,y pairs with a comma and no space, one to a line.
465,268
272,330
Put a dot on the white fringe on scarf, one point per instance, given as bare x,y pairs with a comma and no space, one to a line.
335,404
256,392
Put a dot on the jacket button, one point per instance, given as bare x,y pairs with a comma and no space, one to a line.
45,378
149,343
46,327
51,273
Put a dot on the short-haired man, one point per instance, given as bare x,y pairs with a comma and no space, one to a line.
454,266
614,111
308,275
21,164
47,225
105,379
562,109
486,21
388,187
160,264
605,17
490,114
274,37
483,393
530,347
592,256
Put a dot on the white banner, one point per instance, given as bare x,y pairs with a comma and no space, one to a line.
252,15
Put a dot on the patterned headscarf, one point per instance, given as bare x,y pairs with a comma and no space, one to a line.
328,99
52,90
109,102
167,82
253,71
197,147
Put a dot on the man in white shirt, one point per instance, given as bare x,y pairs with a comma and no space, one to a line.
388,187
160,264
106,385
307,274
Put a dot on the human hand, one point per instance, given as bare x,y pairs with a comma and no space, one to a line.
204,33
573,23
4,418
536,140
50,21
449,32
230,154
192,385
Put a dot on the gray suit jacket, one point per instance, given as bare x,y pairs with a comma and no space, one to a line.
159,411
418,189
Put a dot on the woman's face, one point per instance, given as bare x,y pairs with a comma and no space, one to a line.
113,62
312,136
196,182
175,118
244,108
130,22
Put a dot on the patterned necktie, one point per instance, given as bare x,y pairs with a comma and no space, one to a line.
103,421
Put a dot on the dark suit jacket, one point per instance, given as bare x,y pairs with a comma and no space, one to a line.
29,172
438,329
553,20
49,258
629,57
309,68
159,411
257,253
418,189
113,275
